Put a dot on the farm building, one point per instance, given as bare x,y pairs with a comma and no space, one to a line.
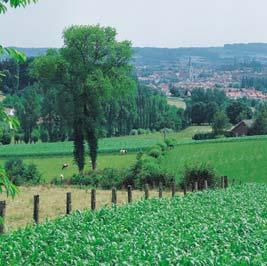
242,128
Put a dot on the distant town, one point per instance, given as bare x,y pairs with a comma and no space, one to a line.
238,77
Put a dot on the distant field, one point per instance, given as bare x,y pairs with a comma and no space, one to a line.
178,102
107,145
51,167
49,157
243,158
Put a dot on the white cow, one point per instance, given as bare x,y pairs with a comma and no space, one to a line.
123,151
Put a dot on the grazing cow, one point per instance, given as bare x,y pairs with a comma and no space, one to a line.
65,165
123,151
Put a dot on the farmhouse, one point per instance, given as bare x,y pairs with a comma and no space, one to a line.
242,128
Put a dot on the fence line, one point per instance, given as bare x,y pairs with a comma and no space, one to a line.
36,198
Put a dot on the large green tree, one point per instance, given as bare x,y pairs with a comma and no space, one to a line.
88,72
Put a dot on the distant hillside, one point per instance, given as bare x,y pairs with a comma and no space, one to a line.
147,55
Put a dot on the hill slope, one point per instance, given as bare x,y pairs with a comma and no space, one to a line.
221,227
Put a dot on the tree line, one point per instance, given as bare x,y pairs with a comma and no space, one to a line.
84,91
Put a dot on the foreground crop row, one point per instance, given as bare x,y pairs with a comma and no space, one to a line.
221,227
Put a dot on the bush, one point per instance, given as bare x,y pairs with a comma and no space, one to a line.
134,132
6,138
153,174
20,174
78,179
199,173
170,143
155,152
141,131
229,134
163,146
35,135
204,136
44,135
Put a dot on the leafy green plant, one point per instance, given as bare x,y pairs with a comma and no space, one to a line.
199,173
154,152
214,227
20,174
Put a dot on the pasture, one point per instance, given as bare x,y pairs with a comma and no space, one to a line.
49,157
178,102
242,159
214,227
51,167
106,145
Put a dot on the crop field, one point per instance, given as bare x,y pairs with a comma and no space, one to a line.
107,145
19,211
176,101
214,227
242,159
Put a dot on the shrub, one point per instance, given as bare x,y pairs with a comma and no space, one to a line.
163,146
44,135
109,178
153,174
199,173
35,135
155,152
204,136
170,143
141,131
20,174
6,138
82,180
134,132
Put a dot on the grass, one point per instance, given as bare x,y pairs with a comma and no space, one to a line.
220,227
49,157
53,203
51,167
176,101
107,145
242,159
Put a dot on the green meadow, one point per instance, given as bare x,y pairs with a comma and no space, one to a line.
241,159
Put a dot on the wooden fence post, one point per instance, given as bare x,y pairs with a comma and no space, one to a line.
222,181
160,190
196,186
2,216
146,191
114,196
173,189
36,204
185,189
68,203
225,181
130,196
206,184
93,199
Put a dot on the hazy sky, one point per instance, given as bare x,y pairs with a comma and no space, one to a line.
160,23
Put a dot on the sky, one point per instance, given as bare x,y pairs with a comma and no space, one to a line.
147,23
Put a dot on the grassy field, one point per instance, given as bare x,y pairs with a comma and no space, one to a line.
49,157
243,159
215,227
51,167
176,101
107,145
53,203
